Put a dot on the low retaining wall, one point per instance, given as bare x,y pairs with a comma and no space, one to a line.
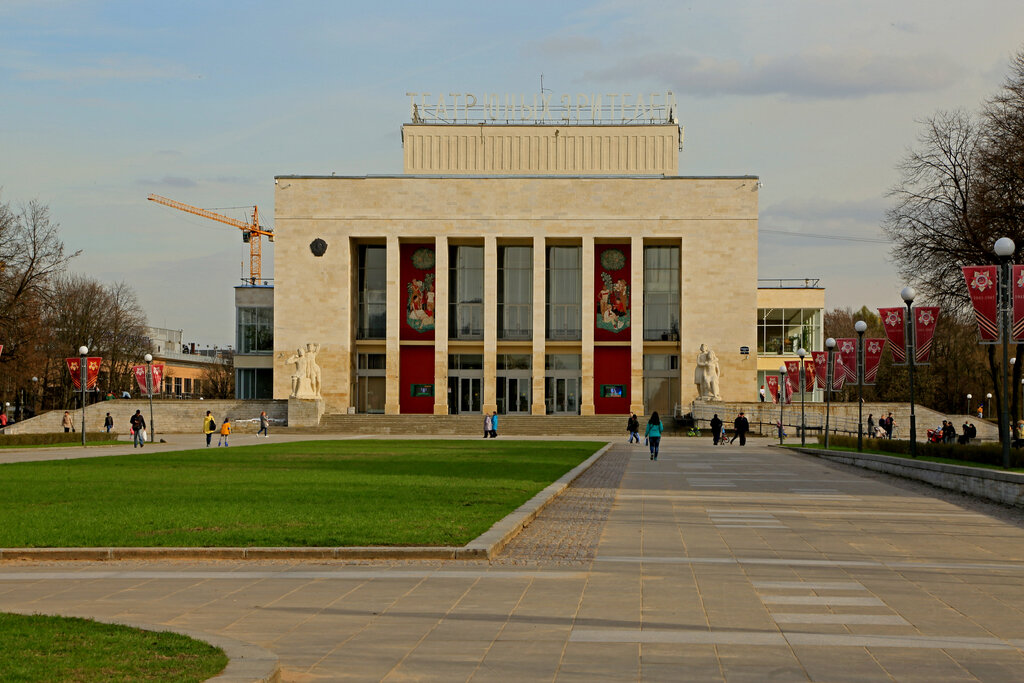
996,485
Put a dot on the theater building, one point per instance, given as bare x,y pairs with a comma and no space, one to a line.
542,267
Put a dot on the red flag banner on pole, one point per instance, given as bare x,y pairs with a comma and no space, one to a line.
895,332
789,388
872,357
92,371
793,370
158,376
847,350
772,382
1,349
140,376
74,367
838,372
820,368
984,292
925,318
1017,275
809,374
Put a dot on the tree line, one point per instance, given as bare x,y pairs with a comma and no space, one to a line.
961,188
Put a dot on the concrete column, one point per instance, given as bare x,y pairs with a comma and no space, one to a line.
587,329
539,327
394,321
490,402
441,325
636,329
341,387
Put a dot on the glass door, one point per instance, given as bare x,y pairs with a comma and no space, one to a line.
563,395
513,393
468,394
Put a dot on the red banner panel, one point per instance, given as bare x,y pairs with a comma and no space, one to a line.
847,350
1,349
611,380
872,357
984,292
838,371
772,382
895,331
92,371
820,368
925,318
1017,278
809,374
612,291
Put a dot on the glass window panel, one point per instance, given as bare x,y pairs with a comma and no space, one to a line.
661,293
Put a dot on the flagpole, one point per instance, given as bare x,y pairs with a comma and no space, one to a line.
1004,248
830,345
83,352
861,327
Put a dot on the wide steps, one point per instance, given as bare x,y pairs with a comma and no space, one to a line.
471,425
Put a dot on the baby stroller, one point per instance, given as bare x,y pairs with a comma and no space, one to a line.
935,435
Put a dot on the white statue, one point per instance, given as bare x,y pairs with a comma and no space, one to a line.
706,374
312,369
300,380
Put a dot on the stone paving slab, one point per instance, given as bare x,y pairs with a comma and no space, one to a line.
720,564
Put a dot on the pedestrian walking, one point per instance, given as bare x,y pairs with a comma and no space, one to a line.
487,425
889,423
66,422
741,425
264,424
494,425
871,425
209,427
138,430
633,427
653,434
108,423
225,431
716,429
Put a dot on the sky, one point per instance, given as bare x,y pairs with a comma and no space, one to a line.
103,103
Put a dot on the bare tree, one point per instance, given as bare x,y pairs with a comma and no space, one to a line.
219,377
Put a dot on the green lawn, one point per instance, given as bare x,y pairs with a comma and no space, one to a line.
312,493
57,649
112,442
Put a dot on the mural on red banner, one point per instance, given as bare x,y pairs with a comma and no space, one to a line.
612,291
418,263
981,286
895,332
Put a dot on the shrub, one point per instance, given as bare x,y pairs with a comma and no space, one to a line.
986,454
50,438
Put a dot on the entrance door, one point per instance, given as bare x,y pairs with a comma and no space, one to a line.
465,395
513,393
563,395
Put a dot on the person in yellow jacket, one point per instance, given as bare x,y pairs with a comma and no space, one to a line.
225,429
209,427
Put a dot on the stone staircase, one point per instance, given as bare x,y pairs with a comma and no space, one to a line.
469,425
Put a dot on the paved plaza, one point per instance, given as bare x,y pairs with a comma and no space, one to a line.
711,564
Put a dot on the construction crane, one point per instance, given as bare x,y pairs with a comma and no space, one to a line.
252,233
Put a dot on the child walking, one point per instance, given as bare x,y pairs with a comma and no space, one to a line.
225,430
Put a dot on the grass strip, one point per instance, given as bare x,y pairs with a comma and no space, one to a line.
313,493
904,456
63,445
57,649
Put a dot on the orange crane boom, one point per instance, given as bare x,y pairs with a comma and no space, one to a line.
252,233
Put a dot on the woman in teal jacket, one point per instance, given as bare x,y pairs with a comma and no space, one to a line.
653,434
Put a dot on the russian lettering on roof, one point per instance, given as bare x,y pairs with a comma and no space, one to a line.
579,108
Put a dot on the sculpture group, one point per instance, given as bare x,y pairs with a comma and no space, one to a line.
306,380
706,374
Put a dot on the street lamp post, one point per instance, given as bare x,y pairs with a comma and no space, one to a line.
908,294
149,390
988,404
861,327
1004,248
830,347
35,393
782,397
803,389
83,353
969,397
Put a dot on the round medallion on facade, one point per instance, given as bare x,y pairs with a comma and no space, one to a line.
423,259
613,259
318,247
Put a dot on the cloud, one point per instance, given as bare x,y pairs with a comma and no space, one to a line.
128,68
568,46
869,210
821,74
169,181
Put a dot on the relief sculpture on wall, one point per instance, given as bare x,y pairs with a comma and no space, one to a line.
306,379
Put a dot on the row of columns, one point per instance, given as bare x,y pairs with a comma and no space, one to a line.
396,310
